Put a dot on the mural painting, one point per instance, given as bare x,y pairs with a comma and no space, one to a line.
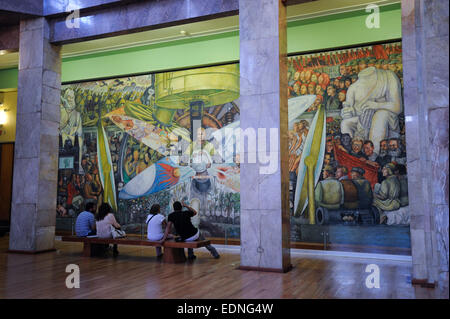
347,151
136,141
157,138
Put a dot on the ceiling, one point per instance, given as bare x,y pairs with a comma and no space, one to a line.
197,29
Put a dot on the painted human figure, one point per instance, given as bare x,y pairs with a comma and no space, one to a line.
387,194
70,125
372,106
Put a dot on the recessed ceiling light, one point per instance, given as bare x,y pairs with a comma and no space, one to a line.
185,33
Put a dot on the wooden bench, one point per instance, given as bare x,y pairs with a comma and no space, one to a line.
173,250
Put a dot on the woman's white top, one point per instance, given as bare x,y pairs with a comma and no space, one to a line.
104,226
155,230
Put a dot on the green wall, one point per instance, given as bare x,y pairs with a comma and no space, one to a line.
8,78
333,31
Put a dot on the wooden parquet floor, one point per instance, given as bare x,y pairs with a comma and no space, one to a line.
136,273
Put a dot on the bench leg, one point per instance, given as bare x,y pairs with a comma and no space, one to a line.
174,255
87,250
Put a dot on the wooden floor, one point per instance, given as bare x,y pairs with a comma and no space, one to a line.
136,273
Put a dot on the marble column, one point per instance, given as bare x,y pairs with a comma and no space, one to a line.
426,95
263,105
33,212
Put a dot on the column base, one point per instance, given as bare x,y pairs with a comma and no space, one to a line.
30,252
423,283
279,270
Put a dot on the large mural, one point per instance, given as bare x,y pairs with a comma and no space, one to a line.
347,152
157,138
136,141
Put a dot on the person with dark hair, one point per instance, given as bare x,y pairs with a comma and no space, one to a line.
329,193
105,219
396,152
400,172
155,223
332,102
365,194
85,223
184,228
346,142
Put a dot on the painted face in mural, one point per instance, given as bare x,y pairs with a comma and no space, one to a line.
355,175
320,79
136,155
343,70
340,172
308,76
318,100
331,91
297,88
314,78
302,76
296,76
319,90
394,149
311,88
368,149
349,69
336,82
70,98
348,82
326,173
329,147
342,96
384,145
303,90
357,146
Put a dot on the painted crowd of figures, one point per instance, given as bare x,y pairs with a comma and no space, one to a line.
120,146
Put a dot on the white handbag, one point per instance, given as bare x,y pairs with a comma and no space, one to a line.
117,233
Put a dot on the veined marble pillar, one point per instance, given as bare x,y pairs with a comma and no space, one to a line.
33,211
265,216
426,77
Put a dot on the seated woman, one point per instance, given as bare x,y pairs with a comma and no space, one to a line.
105,219
155,224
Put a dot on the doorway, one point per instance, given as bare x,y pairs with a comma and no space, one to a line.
6,175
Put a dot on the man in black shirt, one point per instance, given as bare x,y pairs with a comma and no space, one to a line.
184,228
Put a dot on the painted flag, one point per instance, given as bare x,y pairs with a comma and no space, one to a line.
105,168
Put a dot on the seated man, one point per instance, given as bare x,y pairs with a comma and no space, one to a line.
329,192
365,194
85,224
183,226
387,194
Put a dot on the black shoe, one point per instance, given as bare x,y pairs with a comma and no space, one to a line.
192,257
216,256
115,253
